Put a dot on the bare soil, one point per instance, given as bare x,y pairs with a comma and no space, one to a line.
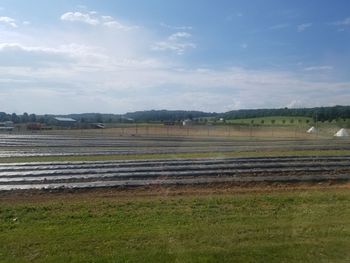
26,196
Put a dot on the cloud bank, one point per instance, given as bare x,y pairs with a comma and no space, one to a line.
91,62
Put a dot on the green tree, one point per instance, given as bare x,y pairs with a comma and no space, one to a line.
15,118
98,117
25,118
32,117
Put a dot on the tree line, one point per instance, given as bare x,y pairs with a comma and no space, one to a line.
317,114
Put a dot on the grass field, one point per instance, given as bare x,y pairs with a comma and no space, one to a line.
290,121
275,120
167,226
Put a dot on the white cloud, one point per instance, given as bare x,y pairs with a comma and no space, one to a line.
107,18
303,27
8,21
86,79
80,17
117,25
318,68
92,18
71,70
176,27
14,55
279,26
177,42
345,22
179,35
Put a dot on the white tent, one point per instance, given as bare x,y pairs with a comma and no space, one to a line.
342,133
312,130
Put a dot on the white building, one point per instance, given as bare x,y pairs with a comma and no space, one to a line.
187,122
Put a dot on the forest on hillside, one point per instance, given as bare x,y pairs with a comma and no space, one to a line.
317,114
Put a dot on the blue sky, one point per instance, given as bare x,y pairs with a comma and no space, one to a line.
119,56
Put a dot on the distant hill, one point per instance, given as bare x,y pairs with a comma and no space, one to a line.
165,115
319,113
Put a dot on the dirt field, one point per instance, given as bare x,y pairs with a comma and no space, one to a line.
149,191
102,197
236,131
164,160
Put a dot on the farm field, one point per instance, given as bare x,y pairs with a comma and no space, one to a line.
236,131
290,121
275,120
174,140
75,160
174,131
108,197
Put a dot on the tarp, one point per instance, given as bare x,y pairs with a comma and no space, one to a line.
312,130
342,133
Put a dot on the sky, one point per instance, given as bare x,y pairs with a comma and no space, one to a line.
67,56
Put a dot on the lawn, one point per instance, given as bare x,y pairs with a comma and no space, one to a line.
256,226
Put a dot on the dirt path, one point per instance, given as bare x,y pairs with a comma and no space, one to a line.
34,196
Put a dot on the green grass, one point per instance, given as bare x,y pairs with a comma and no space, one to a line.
271,153
275,120
290,226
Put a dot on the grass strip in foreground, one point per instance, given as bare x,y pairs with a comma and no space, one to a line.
289,226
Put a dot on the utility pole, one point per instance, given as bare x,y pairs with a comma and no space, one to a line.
316,126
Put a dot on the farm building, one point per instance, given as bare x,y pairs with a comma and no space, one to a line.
187,122
342,133
65,122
